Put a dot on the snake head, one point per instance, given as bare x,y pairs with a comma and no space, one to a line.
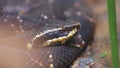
55,37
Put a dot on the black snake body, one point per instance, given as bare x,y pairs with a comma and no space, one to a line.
14,44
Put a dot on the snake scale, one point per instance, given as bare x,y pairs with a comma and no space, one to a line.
43,41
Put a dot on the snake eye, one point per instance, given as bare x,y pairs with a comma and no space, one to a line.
57,36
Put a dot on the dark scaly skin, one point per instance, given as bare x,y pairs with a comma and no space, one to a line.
62,55
20,39
16,51
73,52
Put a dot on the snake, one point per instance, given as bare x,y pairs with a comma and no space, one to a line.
43,43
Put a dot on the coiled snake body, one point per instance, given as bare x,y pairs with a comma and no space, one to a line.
58,46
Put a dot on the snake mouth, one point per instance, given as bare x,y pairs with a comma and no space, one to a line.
57,36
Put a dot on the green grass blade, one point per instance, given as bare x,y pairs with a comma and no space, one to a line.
113,33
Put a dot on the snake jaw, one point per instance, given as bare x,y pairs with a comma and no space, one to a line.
57,36
63,39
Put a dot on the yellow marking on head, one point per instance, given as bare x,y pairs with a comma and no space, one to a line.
72,32
61,39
